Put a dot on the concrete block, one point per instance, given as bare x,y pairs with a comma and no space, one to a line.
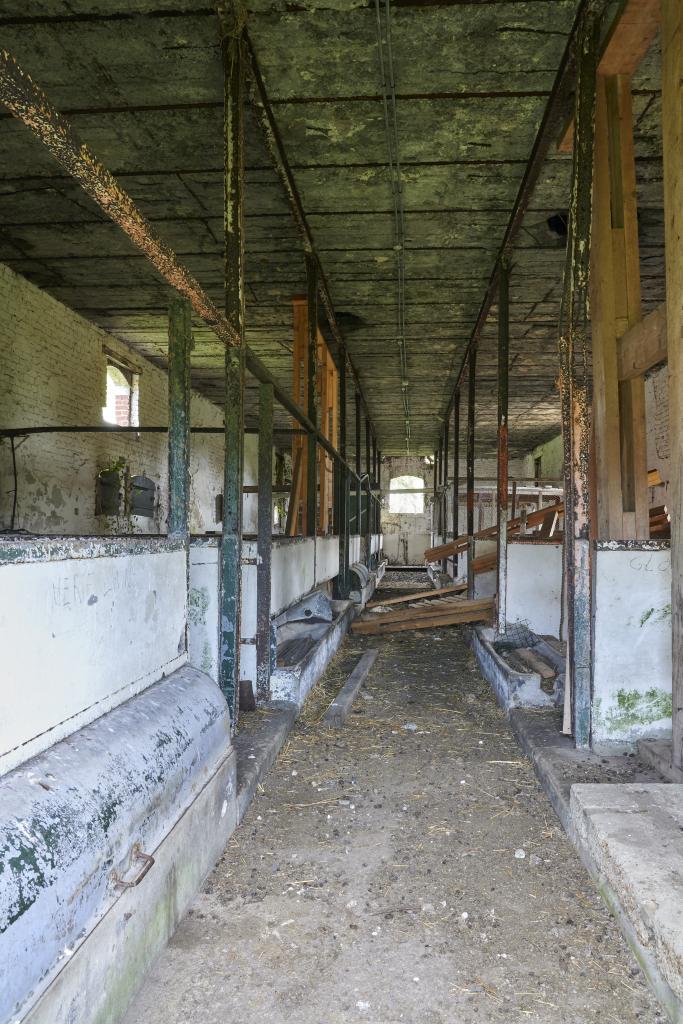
632,835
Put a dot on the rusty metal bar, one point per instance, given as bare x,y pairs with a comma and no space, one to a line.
471,400
230,582
575,387
502,491
271,132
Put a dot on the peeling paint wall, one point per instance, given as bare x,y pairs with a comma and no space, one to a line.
534,590
632,662
53,372
82,631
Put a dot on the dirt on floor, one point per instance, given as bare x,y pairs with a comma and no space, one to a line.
405,868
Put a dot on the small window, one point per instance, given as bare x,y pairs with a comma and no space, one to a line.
406,495
121,397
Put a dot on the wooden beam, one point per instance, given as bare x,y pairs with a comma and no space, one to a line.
672,137
643,346
466,611
420,595
179,349
630,39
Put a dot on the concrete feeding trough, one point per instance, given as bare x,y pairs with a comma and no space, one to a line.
307,636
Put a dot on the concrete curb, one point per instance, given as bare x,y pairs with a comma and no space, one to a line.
257,751
339,709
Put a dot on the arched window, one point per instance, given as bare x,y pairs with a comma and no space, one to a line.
406,495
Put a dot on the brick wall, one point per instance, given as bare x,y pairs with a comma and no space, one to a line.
53,371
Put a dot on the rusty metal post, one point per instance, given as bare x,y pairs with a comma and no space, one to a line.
231,544
502,491
342,490
471,398
311,379
456,473
575,388
179,348
359,493
444,497
265,540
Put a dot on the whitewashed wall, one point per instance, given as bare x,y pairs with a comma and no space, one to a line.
299,564
534,586
53,372
81,630
632,647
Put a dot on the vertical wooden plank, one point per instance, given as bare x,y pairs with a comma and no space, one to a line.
672,131
471,400
604,336
231,542
502,483
265,540
179,348
311,375
444,499
344,493
574,387
359,494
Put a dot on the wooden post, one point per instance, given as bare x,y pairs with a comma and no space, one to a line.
444,498
179,348
456,473
574,388
231,544
619,407
672,125
265,540
503,371
311,374
471,399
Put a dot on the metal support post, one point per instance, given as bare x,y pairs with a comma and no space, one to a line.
503,372
179,348
471,398
311,371
231,545
575,388
265,541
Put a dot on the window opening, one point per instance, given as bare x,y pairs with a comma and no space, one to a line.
122,393
406,495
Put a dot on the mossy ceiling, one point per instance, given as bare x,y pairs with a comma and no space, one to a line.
141,82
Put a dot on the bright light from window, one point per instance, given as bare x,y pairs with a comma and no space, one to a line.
122,397
400,498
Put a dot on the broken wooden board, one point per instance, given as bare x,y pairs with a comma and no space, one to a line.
415,610
420,595
480,610
534,518
535,663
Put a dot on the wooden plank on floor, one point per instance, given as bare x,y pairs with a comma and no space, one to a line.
480,610
420,595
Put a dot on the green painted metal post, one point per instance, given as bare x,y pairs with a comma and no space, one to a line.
265,540
179,348
231,546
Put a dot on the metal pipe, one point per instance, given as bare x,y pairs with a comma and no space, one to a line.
265,541
502,491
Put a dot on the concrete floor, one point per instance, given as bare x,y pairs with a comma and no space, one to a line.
408,868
